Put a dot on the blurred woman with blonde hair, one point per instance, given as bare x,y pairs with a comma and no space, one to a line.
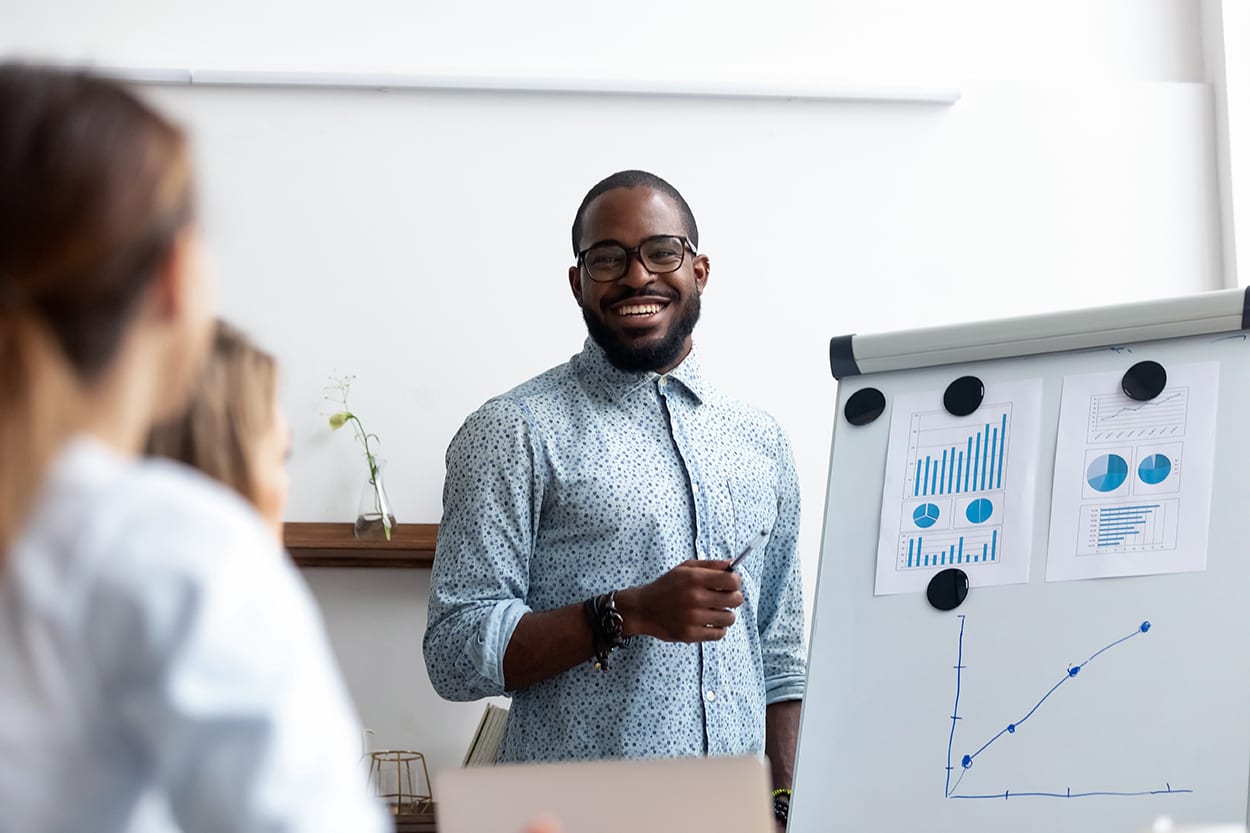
154,640
234,430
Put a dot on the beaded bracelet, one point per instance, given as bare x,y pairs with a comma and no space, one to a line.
781,804
607,626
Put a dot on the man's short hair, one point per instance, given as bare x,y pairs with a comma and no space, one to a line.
636,179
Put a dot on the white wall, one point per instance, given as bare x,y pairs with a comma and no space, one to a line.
419,240
1226,41
904,41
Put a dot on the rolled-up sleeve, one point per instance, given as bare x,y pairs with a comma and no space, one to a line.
781,598
481,565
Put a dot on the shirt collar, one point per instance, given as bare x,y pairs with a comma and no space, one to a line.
593,361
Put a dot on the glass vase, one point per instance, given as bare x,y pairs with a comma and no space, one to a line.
375,519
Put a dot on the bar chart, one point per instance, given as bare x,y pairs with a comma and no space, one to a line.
959,489
948,549
955,459
1134,526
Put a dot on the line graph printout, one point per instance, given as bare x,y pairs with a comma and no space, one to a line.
959,490
1132,487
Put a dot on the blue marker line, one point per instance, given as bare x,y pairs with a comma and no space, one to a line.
1006,794
959,665
1071,672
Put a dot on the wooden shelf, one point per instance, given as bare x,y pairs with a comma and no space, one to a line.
335,545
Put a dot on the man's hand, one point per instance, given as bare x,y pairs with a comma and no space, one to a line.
693,602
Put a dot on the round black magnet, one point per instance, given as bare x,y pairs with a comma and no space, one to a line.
864,405
1144,381
948,589
964,395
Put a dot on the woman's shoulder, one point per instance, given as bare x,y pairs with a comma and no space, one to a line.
102,511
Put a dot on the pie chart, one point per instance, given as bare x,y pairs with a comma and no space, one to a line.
979,511
1107,473
926,515
1154,469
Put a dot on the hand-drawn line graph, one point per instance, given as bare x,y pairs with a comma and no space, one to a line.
966,761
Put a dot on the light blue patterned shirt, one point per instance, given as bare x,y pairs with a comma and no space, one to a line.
588,479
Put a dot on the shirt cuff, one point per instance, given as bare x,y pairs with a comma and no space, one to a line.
486,652
788,687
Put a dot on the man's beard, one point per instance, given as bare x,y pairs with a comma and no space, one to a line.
653,356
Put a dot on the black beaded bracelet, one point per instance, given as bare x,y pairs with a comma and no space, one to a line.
606,625
781,805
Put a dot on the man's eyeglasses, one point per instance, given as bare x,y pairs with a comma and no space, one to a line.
659,255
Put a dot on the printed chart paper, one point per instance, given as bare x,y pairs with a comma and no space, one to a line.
1132,492
959,490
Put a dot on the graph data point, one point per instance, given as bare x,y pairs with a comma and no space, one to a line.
1145,626
864,406
964,395
966,762
1011,727
1074,670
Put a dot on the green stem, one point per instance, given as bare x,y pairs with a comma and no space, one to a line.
373,474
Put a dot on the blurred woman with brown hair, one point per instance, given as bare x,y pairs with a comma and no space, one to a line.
234,429
154,640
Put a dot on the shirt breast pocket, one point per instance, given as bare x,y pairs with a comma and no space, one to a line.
754,503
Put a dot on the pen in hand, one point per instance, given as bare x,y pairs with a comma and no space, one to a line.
756,540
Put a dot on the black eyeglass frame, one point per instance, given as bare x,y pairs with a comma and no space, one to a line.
636,252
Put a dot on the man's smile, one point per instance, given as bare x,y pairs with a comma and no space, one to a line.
639,311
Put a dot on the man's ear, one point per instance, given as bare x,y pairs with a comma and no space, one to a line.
575,283
702,270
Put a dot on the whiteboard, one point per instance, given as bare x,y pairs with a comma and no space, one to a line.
899,692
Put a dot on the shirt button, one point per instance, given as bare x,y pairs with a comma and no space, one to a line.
700,554
710,695
695,487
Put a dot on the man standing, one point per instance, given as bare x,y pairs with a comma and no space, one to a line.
590,517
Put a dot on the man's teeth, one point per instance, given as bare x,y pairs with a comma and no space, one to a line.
639,309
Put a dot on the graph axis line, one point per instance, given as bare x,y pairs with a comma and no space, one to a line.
1008,794
950,745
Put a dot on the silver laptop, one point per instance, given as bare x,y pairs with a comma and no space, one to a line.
718,795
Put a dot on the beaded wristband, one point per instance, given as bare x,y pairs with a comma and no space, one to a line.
606,625
781,804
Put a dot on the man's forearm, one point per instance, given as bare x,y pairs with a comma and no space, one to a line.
546,644
692,602
781,727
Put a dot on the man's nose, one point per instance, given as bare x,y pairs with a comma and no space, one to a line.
636,274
